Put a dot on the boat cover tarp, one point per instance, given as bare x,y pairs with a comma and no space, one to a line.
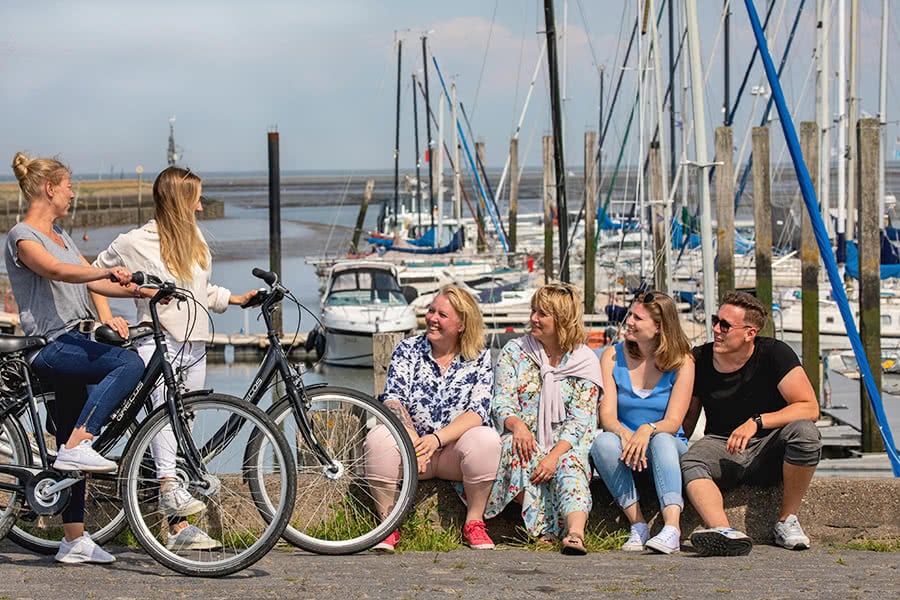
890,257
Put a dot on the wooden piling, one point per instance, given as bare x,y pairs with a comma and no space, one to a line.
657,221
361,217
513,192
809,262
725,209
869,272
549,203
481,244
590,220
383,345
762,218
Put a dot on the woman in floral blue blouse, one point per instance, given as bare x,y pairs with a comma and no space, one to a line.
439,385
545,404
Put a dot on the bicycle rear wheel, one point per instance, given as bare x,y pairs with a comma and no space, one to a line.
104,517
220,427
336,510
13,451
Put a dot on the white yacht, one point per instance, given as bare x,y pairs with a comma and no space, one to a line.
362,298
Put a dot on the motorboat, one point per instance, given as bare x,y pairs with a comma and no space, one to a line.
361,298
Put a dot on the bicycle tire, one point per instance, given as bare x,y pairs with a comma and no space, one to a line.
104,516
336,513
244,534
13,451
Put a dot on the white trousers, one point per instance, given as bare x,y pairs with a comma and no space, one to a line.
189,364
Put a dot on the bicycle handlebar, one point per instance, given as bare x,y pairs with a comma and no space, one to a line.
267,276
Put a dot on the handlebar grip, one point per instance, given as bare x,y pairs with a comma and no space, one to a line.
141,278
267,276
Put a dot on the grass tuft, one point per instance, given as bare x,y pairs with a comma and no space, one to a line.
418,534
873,545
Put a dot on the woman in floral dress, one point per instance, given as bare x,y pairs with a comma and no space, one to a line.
546,387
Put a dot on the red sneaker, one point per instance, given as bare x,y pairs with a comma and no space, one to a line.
475,536
387,545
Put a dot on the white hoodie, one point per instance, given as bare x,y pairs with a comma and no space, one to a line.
138,250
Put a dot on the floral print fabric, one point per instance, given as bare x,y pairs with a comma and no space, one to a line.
433,400
517,391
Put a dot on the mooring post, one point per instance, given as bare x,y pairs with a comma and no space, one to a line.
868,136
383,345
725,209
809,263
275,218
549,202
762,221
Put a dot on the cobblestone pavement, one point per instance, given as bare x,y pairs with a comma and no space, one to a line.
768,572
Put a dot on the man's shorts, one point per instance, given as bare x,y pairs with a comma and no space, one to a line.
798,443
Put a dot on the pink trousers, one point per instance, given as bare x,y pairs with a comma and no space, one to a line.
473,458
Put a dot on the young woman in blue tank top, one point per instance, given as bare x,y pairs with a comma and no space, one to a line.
647,380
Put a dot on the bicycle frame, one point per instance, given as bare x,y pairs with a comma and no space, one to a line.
274,361
121,418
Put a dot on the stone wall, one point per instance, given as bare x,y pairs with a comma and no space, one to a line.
835,510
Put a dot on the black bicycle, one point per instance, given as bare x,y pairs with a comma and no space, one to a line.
213,432
336,510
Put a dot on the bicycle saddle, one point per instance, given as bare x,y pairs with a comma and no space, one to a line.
16,343
106,335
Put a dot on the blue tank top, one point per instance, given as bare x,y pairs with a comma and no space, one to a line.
633,410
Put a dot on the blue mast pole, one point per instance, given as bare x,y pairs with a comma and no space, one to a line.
809,199
462,136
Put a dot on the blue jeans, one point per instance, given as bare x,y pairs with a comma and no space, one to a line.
74,360
71,363
663,454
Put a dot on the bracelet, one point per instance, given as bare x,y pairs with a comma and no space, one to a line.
440,445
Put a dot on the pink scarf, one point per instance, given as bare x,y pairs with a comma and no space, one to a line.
582,363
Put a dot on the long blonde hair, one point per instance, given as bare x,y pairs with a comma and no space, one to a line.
33,172
673,346
175,195
471,340
563,302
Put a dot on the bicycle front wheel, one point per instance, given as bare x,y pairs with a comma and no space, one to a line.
338,510
13,451
235,533
103,514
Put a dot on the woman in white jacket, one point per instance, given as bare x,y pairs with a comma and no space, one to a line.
172,247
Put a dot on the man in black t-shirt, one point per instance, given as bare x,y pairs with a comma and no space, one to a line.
760,426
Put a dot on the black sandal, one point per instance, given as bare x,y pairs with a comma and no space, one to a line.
573,545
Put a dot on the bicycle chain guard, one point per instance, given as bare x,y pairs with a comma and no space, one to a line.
40,503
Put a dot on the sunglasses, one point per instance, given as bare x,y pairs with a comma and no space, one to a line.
725,326
560,288
187,172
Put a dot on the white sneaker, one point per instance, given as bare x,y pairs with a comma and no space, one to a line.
721,541
789,534
83,550
191,538
637,537
82,458
175,501
667,541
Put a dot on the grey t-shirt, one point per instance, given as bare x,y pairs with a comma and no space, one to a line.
47,308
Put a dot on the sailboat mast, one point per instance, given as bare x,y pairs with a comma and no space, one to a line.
852,119
394,221
842,131
558,158
430,158
418,161
726,63
699,113
882,107
823,102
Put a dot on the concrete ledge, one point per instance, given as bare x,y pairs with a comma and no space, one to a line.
835,510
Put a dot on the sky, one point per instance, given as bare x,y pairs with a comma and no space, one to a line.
95,82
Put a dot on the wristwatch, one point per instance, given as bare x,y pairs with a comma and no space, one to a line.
759,424
653,427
